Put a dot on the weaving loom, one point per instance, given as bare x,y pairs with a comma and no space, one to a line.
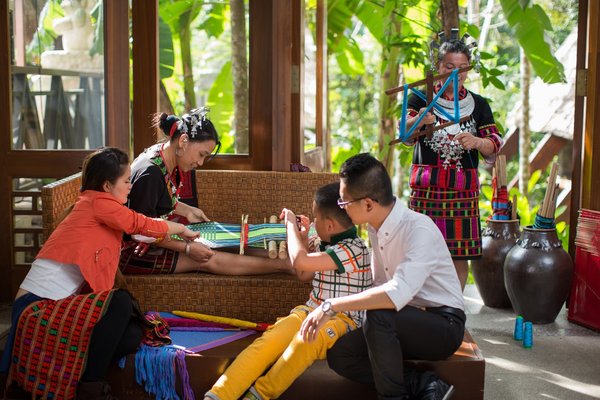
217,235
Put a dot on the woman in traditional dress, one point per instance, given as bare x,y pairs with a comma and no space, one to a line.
444,177
157,178
68,323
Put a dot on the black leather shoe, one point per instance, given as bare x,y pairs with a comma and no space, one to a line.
437,389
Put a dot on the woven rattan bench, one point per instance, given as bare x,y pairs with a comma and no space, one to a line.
225,196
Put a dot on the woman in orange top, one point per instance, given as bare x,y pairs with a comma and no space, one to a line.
66,316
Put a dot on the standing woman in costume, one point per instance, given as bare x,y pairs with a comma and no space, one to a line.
157,176
444,178
66,316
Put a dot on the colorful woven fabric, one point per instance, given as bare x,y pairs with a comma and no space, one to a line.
543,222
156,261
51,343
216,234
456,214
158,335
424,176
500,204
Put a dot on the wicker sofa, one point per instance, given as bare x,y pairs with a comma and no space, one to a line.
225,196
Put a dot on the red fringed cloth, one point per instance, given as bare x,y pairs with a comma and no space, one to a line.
501,207
51,342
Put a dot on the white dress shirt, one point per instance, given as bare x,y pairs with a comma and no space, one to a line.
411,261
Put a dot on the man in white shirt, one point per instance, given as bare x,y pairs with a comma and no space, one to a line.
415,308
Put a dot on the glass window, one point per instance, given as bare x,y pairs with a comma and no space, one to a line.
203,55
57,51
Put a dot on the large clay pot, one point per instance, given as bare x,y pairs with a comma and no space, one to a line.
497,238
537,274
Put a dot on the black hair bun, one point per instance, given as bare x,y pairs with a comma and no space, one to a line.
166,121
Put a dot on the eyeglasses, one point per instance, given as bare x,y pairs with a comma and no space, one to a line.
343,204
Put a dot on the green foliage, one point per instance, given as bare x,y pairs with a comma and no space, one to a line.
220,101
97,16
45,36
166,54
214,21
530,24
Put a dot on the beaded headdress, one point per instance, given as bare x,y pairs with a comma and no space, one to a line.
195,118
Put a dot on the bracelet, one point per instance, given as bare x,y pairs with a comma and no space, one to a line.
188,247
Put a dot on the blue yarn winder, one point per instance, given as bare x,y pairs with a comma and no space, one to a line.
403,133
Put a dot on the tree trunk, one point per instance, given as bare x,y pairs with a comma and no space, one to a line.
239,69
185,40
164,101
390,78
449,15
524,132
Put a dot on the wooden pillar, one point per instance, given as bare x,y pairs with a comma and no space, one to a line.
5,180
590,181
116,38
145,72
322,107
580,92
270,85
282,86
297,100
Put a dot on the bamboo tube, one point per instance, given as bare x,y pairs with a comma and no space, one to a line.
273,244
283,250
513,212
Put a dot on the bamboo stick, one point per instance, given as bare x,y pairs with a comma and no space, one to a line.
423,81
416,134
547,207
273,244
513,211
501,163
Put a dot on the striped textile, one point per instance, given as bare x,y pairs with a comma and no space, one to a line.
156,261
424,176
456,214
501,207
51,342
216,234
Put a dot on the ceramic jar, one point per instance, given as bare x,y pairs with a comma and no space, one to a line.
537,274
497,239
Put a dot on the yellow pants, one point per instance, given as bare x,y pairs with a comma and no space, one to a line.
281,348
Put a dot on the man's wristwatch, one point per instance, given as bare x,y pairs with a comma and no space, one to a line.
328,309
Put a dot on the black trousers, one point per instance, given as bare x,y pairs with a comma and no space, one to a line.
117,334
375,353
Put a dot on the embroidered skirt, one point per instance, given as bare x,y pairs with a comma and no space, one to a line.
456,214
156,261
51,342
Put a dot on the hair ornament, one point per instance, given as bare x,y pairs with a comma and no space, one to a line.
197,117
182,126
